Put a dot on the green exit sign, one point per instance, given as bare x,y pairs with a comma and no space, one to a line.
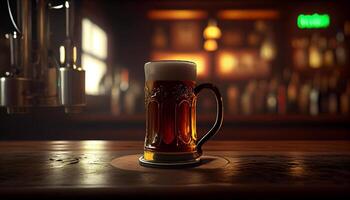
313,21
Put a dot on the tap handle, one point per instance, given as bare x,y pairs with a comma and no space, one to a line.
14,48
68,44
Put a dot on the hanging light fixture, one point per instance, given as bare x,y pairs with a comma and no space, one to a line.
210,45
212,31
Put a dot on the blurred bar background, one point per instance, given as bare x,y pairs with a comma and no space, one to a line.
282,67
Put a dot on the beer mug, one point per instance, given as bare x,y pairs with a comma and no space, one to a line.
170,101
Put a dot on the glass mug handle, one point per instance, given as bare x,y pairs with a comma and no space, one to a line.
219,113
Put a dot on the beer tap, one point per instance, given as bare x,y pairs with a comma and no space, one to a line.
33,82
71,77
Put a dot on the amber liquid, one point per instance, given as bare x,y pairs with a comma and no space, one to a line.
170,116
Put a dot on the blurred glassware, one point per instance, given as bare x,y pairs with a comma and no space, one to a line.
333,93
268,49
315,52
347,28
300,54
233,99
246,100
260,96
271,99
292,93
131,98
116,94
344,103
303,102
115,100
328,58
124,79
340,53
345,100
324,94
315,96
281,99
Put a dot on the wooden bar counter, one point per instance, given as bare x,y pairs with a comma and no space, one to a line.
256,170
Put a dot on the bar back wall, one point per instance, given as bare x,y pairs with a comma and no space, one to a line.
282,68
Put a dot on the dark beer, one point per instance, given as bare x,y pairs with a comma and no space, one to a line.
170,101
171,120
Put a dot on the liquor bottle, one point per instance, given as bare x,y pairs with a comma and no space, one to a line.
271,99
315,54
292,93
303,99
340,50
247,99
281,99
115,95
324,95
300,54
345,100
232,98
260,96
328,56
344,103
282,92
315,97
333,94
131,98
115,100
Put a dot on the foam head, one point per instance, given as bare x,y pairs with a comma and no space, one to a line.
170,70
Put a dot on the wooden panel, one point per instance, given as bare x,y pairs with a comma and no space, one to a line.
176,14
248,14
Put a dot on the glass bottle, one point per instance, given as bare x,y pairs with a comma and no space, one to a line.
315,97
271,99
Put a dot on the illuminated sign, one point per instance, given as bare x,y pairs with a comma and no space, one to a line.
313,21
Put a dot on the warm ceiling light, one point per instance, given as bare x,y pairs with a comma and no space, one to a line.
176,14
212,31
210,45
237,14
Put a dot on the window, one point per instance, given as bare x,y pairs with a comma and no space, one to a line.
94,55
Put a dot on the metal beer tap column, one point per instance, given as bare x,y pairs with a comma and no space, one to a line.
32,81
71,78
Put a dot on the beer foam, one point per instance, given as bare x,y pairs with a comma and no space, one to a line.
170,70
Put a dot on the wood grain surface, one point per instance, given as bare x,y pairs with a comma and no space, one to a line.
257,169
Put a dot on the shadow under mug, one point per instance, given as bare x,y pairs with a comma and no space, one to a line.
170,101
